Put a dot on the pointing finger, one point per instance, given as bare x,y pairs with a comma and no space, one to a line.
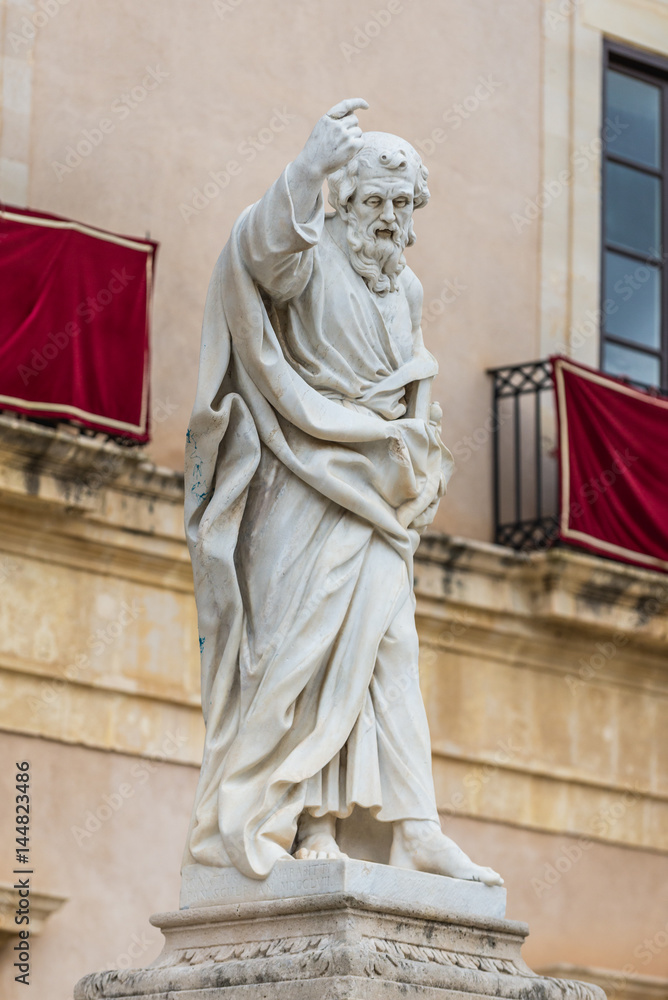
344,108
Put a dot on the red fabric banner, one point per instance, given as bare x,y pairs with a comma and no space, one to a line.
613,459
74,322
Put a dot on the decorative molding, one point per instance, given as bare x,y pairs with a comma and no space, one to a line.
637,22
560,585
125,722
397,952
42,905
617,985
94,506
65,454
246,951
318,956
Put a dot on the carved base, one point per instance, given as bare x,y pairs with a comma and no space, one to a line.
349,937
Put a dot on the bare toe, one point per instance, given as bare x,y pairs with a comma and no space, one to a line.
491,877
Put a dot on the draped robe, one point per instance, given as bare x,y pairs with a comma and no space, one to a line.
304,474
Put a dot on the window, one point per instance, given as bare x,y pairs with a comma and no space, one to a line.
634,266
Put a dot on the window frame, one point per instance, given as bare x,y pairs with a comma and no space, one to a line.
652,69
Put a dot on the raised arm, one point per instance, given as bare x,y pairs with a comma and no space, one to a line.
279,231
334,140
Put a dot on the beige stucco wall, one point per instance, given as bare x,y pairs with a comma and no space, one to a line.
462,79
114,871
501,636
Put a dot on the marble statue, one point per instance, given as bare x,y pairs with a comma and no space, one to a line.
314,460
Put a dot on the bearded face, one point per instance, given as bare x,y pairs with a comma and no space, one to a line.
379,226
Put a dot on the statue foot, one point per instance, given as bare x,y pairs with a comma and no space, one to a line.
422,846
316,838
318,847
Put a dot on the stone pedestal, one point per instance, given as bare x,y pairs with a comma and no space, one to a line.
332,930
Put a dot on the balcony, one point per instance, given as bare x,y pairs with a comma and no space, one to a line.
525,457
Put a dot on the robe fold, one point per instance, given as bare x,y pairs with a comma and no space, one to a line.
304,475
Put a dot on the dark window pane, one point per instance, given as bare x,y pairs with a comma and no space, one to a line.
633,114
632,208
631,364
632,303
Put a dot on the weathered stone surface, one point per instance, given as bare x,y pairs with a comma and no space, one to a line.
347,936
419,892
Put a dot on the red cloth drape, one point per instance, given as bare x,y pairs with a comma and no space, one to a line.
74,322
613,456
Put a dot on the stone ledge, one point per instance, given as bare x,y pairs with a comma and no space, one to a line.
560,587
42,905
66,456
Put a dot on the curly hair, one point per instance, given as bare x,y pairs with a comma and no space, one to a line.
384,150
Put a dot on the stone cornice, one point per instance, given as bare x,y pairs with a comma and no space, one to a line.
91,504
617,985
69,458
42,905
560,587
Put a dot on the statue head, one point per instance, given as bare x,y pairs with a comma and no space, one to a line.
375,193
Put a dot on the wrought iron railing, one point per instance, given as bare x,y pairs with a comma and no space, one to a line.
524,456
58,423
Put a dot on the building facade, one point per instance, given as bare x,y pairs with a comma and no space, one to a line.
544,671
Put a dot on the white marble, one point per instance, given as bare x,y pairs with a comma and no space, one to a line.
424,893
350,930
314,460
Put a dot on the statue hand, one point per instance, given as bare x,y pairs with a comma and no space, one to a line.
334,140
424,519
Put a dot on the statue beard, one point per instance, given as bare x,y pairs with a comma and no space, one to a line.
379,260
